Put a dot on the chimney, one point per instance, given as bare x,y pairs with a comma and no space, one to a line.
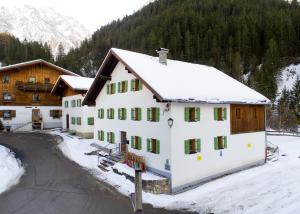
162,54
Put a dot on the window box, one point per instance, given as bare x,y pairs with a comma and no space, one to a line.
123,86
101,113
136,85
192,146
111,88
90,121
220,114
110,113
136,114
153,146
110,137
122,114
191,114
153,114
220,142
101,135
136,142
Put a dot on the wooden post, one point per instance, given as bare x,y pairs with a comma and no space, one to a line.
138,191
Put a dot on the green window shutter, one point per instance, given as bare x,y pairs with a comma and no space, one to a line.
102,113
126,86
99,135
132,142
197,114
114,88
107,136
187,147
225,142
108,88
148,114
124,113
215,113
186,114
113,137
119,114
103,135
139,114
107,113
224,113
157,114
98,113
132,85
216,143
157,146
132,113
140,85
148,144
119,87
198,145
139,143
112,113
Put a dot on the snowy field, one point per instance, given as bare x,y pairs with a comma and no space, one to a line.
271,188
11,169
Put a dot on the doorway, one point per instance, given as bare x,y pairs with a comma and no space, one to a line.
124,141
36,116
67,121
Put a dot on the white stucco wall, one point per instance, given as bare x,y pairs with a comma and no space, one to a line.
144,129
24,115
84,112
187,169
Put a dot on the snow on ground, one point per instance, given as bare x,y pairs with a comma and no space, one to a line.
11,169
288,78
271,188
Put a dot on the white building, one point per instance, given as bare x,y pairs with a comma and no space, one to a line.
75,117
190,122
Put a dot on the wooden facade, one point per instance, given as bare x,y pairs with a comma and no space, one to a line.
247,118
29,85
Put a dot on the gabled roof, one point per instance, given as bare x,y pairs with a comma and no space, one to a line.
177,81
38,61
77,83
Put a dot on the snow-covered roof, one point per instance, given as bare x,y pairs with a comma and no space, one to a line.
182,81
75,82
38,61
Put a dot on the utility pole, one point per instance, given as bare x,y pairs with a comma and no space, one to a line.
136,198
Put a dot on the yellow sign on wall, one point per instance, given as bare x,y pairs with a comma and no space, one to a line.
199,157
249,145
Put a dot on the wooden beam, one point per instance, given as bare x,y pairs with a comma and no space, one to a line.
105,77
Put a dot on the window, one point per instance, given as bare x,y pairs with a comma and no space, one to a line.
35,97
90,121
136,142
136,85
7,114
5,78
66,104
136,114
153,146
101,135
220,142
111,88
122,113
79,103
110,113
47,80
31,80
78,120
123,86
55,113
220,114
73,120
7,96
110,137
101,113
191,114
73,103
153,114
192,146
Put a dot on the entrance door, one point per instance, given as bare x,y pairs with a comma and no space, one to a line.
35,115
67,121
123,142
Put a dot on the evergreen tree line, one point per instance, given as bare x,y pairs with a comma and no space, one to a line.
13,51
254,37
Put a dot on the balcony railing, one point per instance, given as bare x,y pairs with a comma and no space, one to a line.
37,87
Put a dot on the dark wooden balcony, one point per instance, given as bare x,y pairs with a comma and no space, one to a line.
36,87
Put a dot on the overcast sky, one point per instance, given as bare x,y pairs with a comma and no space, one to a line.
91,13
